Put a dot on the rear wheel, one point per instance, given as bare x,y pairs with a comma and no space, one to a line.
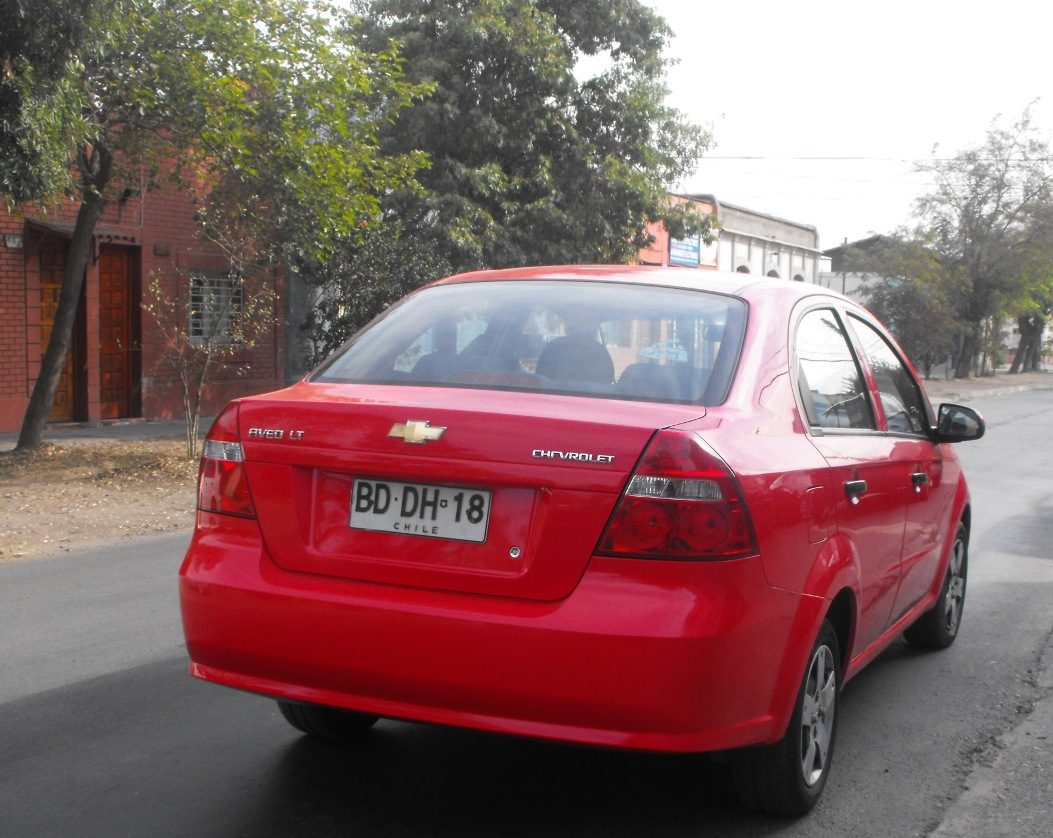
937,627
787,778
326,722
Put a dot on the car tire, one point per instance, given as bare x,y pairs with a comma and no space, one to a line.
326,722
937,627
788,777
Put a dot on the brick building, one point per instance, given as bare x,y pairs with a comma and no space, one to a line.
116,366
686,253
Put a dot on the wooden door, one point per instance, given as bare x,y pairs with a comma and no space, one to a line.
52,267
116,342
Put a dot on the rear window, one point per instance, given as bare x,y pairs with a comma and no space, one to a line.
584,338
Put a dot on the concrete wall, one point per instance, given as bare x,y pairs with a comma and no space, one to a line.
848,283
767,226
766,245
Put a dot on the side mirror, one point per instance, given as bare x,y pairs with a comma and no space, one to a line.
958,424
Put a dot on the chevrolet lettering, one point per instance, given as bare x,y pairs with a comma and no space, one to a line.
576,456
738,496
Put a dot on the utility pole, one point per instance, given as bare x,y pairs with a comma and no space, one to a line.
844,273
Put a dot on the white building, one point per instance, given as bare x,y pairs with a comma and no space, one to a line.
758,243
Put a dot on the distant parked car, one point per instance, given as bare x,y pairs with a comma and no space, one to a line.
637,507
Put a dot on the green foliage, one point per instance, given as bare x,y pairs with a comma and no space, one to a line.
530,163
1033,306
360,280
285,111
267,107
911,296
39,103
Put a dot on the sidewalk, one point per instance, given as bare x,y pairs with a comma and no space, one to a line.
1012,797
964,390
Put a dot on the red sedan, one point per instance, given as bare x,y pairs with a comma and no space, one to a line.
625,506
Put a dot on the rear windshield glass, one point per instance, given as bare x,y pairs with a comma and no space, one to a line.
586,338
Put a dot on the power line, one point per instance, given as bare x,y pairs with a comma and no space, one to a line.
867,159
832,179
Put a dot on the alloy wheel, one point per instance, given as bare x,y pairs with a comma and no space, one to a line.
955,597
817,715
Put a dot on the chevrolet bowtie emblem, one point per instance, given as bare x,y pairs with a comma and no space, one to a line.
416,431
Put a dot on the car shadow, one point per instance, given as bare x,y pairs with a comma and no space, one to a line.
405,779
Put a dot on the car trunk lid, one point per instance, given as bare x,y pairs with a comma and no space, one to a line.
509,498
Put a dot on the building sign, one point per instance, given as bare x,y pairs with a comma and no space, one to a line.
691,253
685,252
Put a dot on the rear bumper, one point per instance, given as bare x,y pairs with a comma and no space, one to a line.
652,655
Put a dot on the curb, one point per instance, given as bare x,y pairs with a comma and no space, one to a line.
1011,797
972,394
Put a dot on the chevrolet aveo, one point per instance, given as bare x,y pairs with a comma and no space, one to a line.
636,507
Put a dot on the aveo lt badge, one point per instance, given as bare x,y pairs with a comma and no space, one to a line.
275,433
417,431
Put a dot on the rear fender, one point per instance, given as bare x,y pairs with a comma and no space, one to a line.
835,569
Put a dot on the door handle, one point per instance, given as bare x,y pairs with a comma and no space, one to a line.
919,479
855,488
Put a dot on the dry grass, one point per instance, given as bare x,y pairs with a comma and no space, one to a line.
61,497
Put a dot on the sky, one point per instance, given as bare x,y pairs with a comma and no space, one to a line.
820,109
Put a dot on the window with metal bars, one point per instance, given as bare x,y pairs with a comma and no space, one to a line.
216,303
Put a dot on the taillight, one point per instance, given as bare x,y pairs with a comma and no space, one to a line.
222,485
682,502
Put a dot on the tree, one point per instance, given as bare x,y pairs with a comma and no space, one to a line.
1034,304
911,296
983,220
534,160
39,121
1031,326
207,326
360,279
267,109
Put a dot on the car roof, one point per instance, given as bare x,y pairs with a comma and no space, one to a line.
736,284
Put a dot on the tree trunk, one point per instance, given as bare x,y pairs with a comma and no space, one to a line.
967,356
1031,327
1023,354
95,169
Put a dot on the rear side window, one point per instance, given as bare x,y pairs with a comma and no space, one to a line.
586,338
828,376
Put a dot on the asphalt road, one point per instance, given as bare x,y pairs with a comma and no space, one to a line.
102,733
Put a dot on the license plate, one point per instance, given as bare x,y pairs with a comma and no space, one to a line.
418,509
